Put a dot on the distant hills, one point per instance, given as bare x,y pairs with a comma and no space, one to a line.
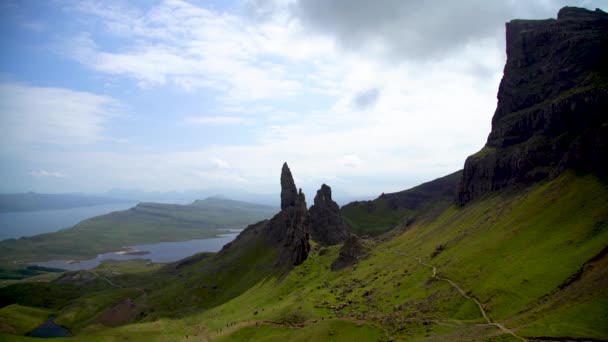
191,195
32,201
187,196
145,223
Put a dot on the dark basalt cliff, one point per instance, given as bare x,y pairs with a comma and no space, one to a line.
552,112
327,225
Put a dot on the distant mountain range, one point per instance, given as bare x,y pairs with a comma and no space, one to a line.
234,194
32,201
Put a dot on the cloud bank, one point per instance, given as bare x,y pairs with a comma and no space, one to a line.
369,97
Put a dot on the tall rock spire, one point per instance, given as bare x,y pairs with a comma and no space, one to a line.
289,193
290,227
327,226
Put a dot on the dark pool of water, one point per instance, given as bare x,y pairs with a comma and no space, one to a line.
49,329
158,252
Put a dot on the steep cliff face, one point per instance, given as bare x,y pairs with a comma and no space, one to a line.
327,225
552,104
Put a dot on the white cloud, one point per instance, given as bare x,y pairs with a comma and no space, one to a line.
219,163
177,43
47,174
351,160
52,115
332,111
214,120
383,122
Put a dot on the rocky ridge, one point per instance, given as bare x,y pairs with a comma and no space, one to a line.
551,114
327,225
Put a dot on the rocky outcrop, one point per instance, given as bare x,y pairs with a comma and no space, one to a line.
327,225
351,253
551,114
290,228
289,194
288,231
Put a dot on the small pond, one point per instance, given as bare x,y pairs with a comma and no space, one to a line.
49,329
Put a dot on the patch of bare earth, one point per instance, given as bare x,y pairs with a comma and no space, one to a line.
121,313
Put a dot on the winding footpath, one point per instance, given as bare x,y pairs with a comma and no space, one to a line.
462,293
104,278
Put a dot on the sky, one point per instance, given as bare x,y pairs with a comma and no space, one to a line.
365,96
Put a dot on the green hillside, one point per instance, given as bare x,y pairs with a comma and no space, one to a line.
494,249
399,209
145,223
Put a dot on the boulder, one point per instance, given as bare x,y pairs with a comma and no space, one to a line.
351,252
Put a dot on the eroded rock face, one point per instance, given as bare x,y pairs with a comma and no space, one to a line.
327,225
551,114
289,193
351,253
290,227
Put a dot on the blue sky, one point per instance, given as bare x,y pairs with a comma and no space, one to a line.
178,95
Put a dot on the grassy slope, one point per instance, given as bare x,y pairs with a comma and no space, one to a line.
20,320
390,210
510,251
513,252
143,224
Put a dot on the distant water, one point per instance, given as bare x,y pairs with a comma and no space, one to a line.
49,329
28,223
159,252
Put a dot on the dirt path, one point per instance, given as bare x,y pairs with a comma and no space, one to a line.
462,293
104,278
